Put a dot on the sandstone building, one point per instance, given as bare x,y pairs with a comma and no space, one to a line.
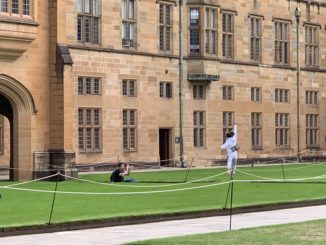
97,81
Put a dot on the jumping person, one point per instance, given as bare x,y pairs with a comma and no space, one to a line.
118,174
231,147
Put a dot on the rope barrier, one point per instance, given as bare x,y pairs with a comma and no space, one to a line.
116,193
145,186
34,180
308,165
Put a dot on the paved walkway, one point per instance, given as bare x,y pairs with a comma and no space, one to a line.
123,234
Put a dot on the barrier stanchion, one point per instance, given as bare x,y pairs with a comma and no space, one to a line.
54,196
188,170
231,207
283,171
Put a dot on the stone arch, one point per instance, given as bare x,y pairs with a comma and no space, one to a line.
16,96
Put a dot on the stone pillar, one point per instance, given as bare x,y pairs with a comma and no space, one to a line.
51,162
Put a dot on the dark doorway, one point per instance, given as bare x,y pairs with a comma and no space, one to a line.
6,112
165,146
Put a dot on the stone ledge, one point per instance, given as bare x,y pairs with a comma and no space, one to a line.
15,38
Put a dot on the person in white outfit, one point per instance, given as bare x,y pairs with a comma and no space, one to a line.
231,147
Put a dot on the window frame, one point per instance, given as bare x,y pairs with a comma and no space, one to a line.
228,34
196,93
228,92
129,130
166,90
282,42
126,88
21,11
86,21
312,97
199,132
194,32
282,130
255,38
88,124
256,130
256,94
312,131
311,46
128,24
282,95
82,86
165,26
211,32
228,118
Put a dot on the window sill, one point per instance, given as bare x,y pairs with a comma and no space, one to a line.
257,148
90,152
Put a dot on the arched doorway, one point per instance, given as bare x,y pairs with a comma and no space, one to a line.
17,105
6,114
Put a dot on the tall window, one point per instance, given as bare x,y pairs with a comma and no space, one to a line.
282,43
89,129
227,35
194,31
228,93
312,129
165,89
165,26
210,31
282,95
1,134
255,38
282,129
311,46
128,23
198,91
256,130
17,7
228,122
89,86
199,128
256,94
129,88
312,97
129,129
88,21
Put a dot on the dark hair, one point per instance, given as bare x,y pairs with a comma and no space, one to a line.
229,134
120,164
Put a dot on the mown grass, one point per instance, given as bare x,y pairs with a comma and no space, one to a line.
306,233
23,207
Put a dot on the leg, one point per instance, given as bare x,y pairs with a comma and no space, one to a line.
234,165
230,168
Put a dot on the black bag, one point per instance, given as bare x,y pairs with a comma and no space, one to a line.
235,148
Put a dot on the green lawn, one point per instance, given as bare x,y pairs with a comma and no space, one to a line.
154,193
307,233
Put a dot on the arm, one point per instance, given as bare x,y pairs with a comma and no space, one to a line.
235,130
223,146
126,171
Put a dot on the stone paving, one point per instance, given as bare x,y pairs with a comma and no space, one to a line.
124,234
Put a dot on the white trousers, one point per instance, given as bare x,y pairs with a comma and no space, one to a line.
232,160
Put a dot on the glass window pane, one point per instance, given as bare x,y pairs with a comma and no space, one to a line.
4,6
131,9
14,7
87,6
80,6
26,7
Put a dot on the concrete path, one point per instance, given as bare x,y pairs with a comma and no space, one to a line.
123,234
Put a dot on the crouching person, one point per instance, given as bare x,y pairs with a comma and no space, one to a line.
119,174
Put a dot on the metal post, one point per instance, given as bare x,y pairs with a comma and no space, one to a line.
297,16
181,81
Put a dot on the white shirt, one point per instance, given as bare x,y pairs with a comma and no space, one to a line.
230,142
